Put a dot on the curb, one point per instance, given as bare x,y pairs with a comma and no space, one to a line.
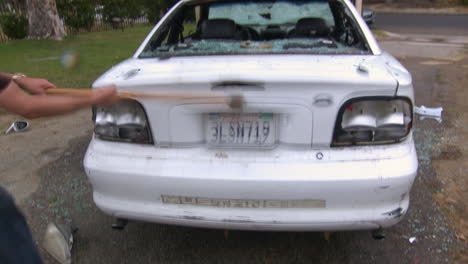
460,11
460,41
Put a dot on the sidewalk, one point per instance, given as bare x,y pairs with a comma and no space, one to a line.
446,39
448,48
398,9
430,50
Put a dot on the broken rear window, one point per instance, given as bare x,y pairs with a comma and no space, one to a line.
257,27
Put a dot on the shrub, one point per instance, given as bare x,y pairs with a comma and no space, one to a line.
77,14
154,9
464,2
116,11
119,10
15,26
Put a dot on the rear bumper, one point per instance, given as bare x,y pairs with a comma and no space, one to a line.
359,188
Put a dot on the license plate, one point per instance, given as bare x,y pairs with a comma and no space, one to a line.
237,130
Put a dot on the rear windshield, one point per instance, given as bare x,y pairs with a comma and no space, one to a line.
271,13
255,27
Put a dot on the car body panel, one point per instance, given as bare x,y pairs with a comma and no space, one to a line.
345,179
290,86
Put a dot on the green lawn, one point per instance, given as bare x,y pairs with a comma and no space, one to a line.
97,51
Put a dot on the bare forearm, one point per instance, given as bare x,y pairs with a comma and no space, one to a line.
32,85
17,101
5,75
4,80
39,106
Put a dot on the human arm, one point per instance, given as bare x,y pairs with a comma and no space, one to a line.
33,85
29,106
4,81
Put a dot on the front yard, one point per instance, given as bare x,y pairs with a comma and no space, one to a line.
96,51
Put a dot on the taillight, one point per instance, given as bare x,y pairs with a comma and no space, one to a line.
125,121
367,121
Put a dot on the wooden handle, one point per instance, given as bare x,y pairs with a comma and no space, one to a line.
209,98
128,94
75,92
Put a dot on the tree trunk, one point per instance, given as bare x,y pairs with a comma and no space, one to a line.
359,6
44,22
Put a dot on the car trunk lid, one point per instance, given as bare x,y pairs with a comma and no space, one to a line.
301,94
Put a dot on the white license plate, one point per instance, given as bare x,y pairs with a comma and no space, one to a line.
237,130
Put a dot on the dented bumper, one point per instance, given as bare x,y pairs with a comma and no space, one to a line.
292,190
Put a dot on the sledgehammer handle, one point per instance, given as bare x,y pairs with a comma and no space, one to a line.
208,98
128,94
76,92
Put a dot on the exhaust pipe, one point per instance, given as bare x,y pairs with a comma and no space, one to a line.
378,234
119,224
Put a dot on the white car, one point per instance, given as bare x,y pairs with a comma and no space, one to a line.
321,139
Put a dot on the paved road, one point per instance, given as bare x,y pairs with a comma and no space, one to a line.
423,24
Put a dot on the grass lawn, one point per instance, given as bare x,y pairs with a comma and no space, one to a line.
97,51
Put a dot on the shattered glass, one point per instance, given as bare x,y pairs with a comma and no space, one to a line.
261,27
280,46
267,13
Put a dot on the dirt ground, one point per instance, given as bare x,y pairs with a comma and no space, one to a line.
43,170
442,148
450,157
